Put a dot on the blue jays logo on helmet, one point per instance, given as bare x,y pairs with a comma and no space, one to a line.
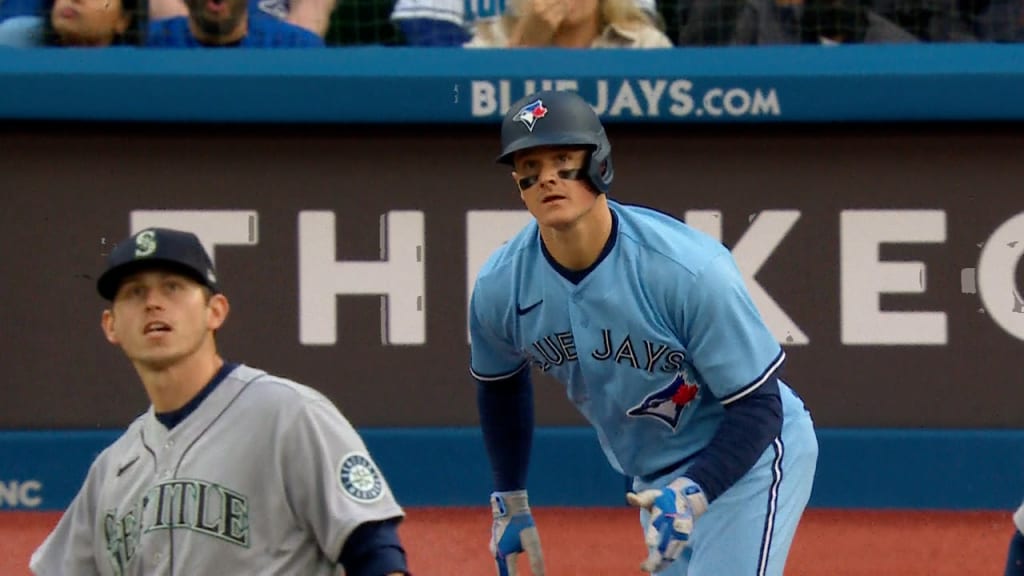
668,403
530,113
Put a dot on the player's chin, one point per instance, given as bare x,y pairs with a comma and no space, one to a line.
156,359
555,218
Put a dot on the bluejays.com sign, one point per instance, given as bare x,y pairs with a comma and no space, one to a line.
20,494
634,98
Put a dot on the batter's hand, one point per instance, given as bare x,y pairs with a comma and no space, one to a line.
674,509
513,532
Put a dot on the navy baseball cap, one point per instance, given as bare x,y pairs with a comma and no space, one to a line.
160,248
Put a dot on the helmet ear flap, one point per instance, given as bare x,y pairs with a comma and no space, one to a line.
600,171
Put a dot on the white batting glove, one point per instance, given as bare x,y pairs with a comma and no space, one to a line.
674,509
513,532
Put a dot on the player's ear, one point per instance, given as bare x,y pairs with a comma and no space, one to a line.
107,324
218,307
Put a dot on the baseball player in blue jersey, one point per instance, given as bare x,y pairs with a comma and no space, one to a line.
649,326
231,470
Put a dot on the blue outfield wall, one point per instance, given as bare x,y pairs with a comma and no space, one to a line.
388,85
858,468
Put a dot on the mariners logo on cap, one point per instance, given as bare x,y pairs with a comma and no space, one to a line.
145,244
530,113
359,478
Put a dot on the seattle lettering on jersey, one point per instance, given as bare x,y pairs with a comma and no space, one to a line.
195,505
558,348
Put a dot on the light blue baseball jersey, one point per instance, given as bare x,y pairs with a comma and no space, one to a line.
651,344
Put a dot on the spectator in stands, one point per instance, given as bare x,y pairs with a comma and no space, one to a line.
571,24
313,15
827,22
451,22
228,23
994,20
77,23
957,20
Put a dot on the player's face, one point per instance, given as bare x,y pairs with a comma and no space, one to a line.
160,318
554,201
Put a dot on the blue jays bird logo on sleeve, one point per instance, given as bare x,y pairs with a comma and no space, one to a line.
668,403
530,113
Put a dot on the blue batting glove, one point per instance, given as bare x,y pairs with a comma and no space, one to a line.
673,509
513,532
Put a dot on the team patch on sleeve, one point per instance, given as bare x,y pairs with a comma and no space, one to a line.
359,478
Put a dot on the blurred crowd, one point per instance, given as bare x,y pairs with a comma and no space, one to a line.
503,23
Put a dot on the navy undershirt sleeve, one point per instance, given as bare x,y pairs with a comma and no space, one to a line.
749,426
1015,556
373,549
506,419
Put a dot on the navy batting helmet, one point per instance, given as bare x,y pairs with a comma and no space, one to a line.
557,118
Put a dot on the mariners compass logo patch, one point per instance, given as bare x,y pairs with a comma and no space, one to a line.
359,478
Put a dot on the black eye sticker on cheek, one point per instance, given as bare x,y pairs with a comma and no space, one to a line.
574,174
528,182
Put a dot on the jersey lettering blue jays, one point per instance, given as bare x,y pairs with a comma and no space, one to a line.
651,344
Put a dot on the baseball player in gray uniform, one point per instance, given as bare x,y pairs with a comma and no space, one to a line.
231,470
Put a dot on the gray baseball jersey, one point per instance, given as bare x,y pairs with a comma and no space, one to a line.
265,477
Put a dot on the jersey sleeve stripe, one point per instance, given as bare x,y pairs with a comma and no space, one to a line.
758,382
489,378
